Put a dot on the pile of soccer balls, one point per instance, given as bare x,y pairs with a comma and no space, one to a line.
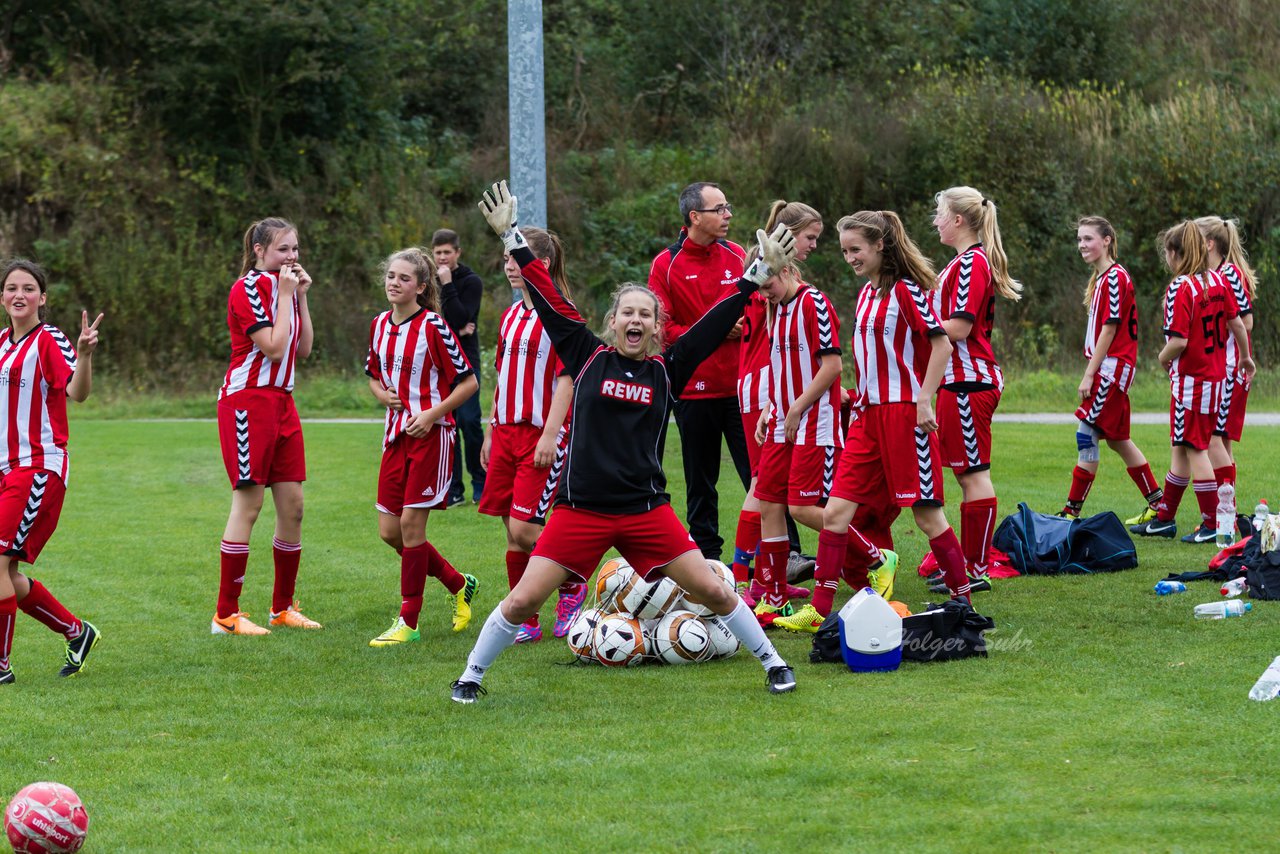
635,621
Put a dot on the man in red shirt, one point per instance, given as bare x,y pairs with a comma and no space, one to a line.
689,277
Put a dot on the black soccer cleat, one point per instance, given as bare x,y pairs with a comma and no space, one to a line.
780,679
976,585
466,692
78,650
1203,534
1155,528
7,677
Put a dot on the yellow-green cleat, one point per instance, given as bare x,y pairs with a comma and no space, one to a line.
462,602
881,578
1142,518
398,633
807,619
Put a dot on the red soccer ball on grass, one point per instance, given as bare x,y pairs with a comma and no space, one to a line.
46,818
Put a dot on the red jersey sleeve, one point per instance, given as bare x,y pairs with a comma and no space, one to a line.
57,357
823,325
372,366
1178,310
916,308
972,286
245,308
444,351
660,284
1114,297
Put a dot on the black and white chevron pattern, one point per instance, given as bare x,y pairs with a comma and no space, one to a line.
962,283
921,300
553,482
1113,294
1170,298
255,299
924,463
1099,400
1236,282
64,345
1224,406
822,311
243,473
29,513
968,431
828,470
1179,422
450,342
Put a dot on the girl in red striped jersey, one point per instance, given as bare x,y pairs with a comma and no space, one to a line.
1198,311
1111,348
417,370
1227,256
530,402
39,371
966,303
258,426
901,350
753,398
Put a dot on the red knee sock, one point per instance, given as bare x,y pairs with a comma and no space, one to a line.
1207,497
414,563
1225,474
1081,483
1174,486
517,563
772,570
234,557
8,611
826,577
746,543
946,548
440,568
287,557
977,526
42,607
1146,483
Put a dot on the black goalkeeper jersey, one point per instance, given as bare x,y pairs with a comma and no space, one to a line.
621,406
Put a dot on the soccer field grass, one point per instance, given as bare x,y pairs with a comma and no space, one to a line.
1106,718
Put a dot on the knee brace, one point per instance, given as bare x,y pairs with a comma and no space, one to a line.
1087,443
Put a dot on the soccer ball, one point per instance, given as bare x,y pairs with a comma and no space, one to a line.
46,818
648,600
611,576
723,641
581,636
681,638
619,641
725,574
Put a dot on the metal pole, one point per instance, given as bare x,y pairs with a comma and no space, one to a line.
526,105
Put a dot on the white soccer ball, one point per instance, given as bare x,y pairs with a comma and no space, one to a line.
723,642
725,574
681,638
619,641
648,600
612,575
581,635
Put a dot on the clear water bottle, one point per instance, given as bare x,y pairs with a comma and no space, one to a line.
1234,587
1164,588
1268,684
1260,514
1222,610
1226,521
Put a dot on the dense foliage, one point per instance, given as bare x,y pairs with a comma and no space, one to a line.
137,140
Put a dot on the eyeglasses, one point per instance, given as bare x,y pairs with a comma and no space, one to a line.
719,210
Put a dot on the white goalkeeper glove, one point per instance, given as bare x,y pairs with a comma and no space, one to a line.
499,208
776,251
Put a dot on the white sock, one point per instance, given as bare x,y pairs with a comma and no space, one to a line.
745,628
495,636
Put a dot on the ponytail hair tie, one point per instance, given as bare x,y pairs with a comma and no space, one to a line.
984,202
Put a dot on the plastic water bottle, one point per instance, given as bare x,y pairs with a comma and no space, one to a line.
1222,610
1164,588
1260,514
1226,516
1234,587
1268,684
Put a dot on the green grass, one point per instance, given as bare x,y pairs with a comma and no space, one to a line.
1107,718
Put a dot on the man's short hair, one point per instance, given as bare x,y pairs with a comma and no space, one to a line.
445,237
691,198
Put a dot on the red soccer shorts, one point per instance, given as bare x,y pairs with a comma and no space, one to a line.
30,503
1106,409
1235,398
749,422
577,539
888,460
1189,428
261,438
513,485
796,475
416,472
964,428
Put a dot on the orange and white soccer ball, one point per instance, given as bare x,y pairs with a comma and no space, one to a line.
619,641
723,642
612,575
46,818
582,634
680,638
648,600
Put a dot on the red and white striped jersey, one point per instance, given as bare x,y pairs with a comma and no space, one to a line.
891,342
1113,304
249,308
527,369
966,291
34,372
1236,287
1197,308
420,360
753,356
803,331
